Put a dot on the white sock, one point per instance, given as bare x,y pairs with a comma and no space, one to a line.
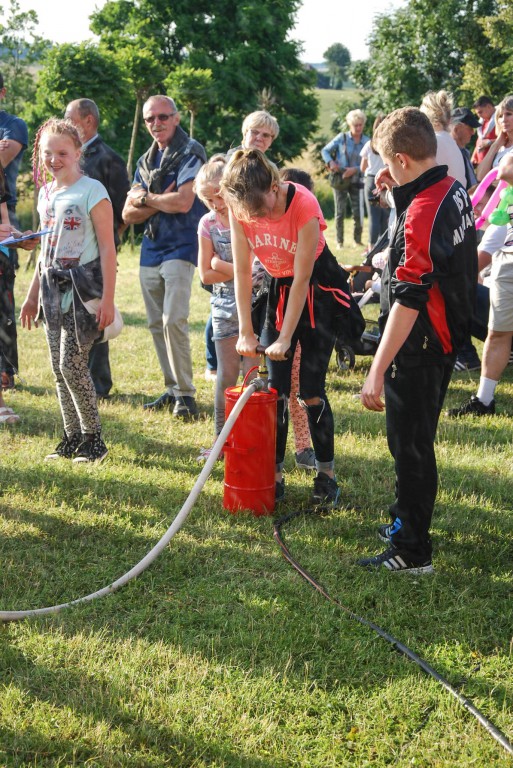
486,390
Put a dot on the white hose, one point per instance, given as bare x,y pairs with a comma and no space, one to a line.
256,384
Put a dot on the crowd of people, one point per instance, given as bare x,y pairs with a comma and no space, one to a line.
257,235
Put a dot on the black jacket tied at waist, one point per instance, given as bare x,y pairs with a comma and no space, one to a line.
86,283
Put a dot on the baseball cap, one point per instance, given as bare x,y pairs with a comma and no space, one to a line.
464,115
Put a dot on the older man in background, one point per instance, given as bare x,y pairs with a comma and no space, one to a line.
163,198
462,127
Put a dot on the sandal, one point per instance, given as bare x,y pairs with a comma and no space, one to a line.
7,416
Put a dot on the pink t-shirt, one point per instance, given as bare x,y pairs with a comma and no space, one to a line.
274,241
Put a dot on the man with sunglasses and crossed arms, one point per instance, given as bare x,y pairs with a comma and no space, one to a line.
163,199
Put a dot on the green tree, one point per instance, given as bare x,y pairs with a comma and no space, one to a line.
424,46
72,70
85,70
20,47
492,72
144,75
191,88
359,73
245,47
339,59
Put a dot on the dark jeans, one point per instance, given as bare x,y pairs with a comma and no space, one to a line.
378,216
356,197
414,399
316,349
8,332
210,347
479,325
99,367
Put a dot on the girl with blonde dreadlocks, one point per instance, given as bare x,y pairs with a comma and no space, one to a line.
77,264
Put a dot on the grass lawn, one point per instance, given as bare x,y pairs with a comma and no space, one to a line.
328,102
219,655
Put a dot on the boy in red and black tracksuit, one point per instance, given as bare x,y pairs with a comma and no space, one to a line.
427,297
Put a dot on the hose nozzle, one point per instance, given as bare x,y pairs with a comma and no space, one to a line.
263,372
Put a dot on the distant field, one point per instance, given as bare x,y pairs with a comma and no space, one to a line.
328,100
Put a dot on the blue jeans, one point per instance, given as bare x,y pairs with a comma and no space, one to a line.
356,197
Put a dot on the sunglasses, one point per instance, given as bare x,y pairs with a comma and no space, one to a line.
161,118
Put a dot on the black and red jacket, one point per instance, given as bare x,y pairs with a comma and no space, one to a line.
432,266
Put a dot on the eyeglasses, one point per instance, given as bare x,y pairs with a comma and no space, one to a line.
263,134
161,118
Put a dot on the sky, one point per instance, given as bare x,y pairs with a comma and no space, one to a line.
318,24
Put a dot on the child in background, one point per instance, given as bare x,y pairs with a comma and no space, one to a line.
215,266
77,264
426,308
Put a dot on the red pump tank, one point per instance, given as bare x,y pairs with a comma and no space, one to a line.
250,453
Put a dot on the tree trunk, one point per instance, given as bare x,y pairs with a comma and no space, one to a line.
130,160
135,128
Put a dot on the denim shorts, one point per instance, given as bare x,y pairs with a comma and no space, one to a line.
225,321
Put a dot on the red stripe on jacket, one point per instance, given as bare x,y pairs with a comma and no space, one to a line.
418,265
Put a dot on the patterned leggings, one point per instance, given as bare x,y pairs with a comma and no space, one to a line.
75,389
298,415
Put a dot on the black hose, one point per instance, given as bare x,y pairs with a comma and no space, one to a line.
492,729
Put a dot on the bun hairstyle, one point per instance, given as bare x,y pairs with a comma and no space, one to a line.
209,173
247,178
437,106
